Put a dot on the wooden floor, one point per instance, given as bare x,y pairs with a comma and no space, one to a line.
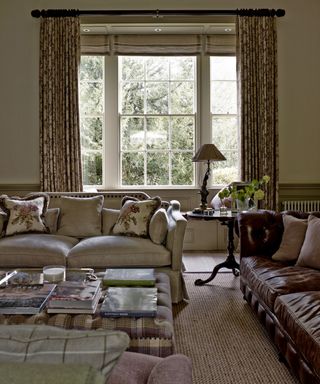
203,261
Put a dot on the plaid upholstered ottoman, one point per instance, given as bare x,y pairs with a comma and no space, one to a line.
153,336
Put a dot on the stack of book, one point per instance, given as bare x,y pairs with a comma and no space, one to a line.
75,297
131,293
24,299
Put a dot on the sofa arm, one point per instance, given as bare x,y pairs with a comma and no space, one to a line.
172,370
176,230
260,232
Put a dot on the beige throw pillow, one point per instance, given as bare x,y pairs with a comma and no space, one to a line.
51,219
135,216
109,218
292,238
310,251
25,214
46,344
80,216
159,226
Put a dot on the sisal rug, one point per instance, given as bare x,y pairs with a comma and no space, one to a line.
222,336
203,261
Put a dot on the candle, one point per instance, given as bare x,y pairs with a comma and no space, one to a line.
54,273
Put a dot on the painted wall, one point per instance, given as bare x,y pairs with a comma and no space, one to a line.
299,82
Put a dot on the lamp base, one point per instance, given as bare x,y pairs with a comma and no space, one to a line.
203,206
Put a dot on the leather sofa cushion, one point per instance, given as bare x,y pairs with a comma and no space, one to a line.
269,279
115,251
298,313
34,250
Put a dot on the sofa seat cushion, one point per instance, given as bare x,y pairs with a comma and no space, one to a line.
269,279
299,313
34,250
115,251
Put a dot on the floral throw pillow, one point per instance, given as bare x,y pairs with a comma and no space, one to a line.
134,217
24,214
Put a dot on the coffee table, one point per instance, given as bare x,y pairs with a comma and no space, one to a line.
153,336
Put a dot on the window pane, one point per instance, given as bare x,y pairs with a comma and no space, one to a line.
182,132
223,172
157,98
91,98
224,97
224,117
158,168
132,133
225,132
91,133
182,68
157,132
132,96
182,169
91,107
157,68
223,68
181,97
132,68
132,168
92,167
91,68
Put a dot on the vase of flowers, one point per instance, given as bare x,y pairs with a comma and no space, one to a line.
247,197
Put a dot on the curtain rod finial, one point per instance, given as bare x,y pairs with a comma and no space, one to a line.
280,12
36,13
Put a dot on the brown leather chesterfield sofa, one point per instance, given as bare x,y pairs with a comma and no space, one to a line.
284,296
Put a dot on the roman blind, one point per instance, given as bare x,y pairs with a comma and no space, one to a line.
178,44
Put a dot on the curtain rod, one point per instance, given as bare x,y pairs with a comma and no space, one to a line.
157,13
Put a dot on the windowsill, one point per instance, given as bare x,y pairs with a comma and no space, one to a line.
162,188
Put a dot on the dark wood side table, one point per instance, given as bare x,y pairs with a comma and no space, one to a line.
230,262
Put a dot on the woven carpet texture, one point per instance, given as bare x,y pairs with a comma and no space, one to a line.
222,336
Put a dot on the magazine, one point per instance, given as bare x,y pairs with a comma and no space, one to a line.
24,299
21,277
75,294
129,277
26,278
129,301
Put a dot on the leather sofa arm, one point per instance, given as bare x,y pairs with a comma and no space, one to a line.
260,232
176,230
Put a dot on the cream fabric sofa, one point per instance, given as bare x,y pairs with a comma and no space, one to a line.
102,248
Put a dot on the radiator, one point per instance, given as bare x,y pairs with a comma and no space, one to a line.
301,205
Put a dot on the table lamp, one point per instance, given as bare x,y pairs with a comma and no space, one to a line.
208,153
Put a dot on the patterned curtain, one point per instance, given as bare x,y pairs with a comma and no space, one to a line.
60,156
258,103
